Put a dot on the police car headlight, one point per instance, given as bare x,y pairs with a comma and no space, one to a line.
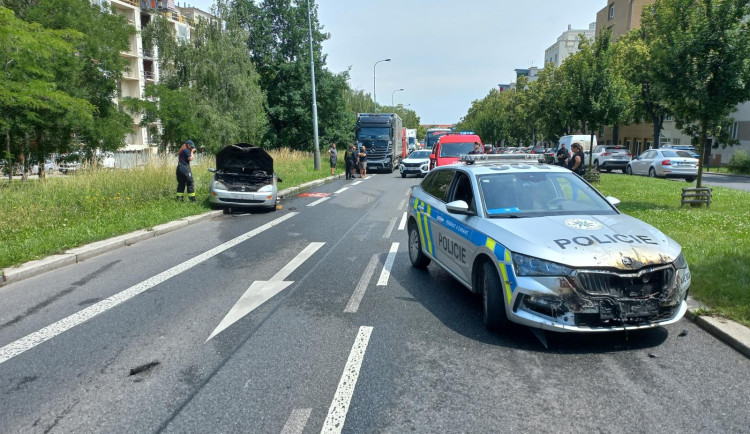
218,186
266,189
530,266
680,262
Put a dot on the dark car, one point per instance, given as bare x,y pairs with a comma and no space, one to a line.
243,178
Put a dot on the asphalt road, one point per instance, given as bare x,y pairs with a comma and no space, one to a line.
325,340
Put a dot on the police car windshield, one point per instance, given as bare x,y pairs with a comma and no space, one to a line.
456,149
535,194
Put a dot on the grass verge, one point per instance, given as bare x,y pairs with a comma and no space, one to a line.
52,215
715,240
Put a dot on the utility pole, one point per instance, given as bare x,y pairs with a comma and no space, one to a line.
375,98
314,100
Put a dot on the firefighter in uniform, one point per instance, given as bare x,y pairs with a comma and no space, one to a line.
184,175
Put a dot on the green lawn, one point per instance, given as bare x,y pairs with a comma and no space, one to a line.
715,240
42,217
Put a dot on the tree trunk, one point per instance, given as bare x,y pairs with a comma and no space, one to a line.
658,123
591,149
702,151
9,160
615,135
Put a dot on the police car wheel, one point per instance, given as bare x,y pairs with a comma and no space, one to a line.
494,314
416,256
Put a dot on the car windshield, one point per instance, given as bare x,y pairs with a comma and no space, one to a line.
456,149
375,133
535,194
420,154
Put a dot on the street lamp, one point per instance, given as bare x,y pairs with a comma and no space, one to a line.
314,100
375,98
393,93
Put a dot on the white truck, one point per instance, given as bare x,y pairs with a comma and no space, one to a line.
411,139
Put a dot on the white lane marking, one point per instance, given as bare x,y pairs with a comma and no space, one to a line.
356,182
359,291
386,273
402,225
261,291
297,421
340,190
408,190
340,406
389,229
321,200
30,341
401,205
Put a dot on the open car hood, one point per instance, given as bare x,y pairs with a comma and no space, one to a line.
243,158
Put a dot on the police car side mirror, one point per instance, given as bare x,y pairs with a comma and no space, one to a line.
459,207
212,170
613,201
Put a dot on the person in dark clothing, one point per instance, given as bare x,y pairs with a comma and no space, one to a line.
477,149
561,158
184,175
350,158
576,162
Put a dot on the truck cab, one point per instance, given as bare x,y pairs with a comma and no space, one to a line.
382,135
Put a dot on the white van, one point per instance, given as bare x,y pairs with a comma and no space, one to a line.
583,139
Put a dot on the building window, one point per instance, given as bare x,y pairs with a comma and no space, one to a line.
612,11
733,130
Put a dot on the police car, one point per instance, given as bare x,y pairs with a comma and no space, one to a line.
544,248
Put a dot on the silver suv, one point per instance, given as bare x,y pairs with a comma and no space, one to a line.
608,157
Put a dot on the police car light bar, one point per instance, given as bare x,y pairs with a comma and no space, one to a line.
500,158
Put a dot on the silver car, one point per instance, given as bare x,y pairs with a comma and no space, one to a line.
544,248
243,178
417,163
664,163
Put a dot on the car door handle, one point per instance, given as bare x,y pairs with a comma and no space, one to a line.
420,207
440,219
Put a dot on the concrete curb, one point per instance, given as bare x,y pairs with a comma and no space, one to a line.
734,334
81,253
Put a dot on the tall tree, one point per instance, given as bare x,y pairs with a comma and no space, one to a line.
700,51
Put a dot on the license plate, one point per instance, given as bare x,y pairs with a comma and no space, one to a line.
238,196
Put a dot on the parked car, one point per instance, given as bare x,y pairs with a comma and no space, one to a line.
538,149
417,163
49,167
693,152
543,248
243,178
609,157
664,163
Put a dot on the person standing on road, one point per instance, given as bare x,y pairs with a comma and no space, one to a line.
362,162
350,157
184,174
562,156
334,156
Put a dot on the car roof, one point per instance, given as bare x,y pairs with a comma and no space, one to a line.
459,138
507,165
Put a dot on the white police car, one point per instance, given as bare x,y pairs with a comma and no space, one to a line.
544,248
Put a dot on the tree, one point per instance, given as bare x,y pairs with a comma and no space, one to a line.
700,51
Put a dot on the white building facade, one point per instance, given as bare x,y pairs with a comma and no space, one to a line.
567,44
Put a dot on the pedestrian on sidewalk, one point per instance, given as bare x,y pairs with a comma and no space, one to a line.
334,156
350,158
362,162
184,174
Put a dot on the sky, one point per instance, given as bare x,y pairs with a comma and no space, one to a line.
444,54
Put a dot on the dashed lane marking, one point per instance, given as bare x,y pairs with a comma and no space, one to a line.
402,225
28,342
297,421
386,273
319,201
389,229
401,205
334,422
340,190
359,291
356,182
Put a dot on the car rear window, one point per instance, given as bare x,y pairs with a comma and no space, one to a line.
669,154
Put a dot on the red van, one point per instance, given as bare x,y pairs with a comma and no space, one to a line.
451,145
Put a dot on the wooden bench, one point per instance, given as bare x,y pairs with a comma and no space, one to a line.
696,196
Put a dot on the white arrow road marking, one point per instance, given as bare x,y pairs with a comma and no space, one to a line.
389,229
386,273
297,421
261,290
321,200
359,291
340,406
340,190
402,225
30,341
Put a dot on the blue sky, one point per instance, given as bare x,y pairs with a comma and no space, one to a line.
445,54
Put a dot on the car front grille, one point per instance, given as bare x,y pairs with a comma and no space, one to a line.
248,201
414,164
643,284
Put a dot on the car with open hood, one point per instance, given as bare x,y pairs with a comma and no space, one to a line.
243,178
544,248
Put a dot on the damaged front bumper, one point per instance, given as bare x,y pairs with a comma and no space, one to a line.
602,300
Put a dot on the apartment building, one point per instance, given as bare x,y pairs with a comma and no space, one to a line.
567,44
144,65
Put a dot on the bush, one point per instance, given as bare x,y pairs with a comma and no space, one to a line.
739,163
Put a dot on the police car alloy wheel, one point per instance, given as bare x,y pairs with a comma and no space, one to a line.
417,257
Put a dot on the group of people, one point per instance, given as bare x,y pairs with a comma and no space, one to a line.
353,158
573,160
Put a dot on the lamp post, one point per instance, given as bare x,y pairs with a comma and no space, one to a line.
375,98
314,100
393,93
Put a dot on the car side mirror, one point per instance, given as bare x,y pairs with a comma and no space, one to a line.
459,207
212,170
432,156
613,200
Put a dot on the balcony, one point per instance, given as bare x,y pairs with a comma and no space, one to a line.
149,75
